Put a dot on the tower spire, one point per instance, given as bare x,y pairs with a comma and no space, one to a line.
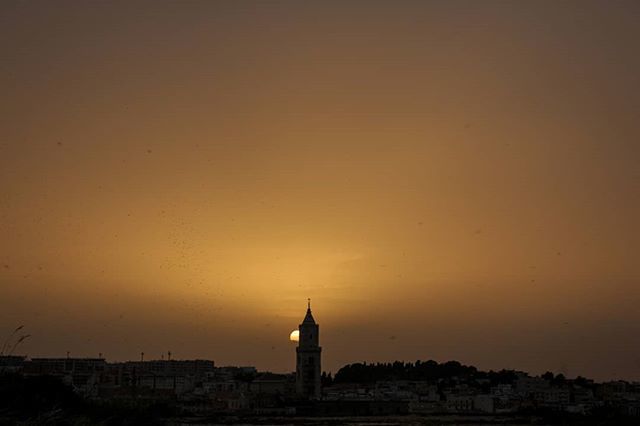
308,318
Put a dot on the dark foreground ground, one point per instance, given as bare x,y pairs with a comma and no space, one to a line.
368,421
61,418
410,420
104,417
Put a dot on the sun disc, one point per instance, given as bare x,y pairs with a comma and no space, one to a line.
294,336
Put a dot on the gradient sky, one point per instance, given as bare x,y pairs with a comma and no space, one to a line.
446,180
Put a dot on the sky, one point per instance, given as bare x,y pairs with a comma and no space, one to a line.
453,180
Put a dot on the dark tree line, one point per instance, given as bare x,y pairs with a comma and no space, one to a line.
430,371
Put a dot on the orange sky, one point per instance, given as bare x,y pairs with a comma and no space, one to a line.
445,180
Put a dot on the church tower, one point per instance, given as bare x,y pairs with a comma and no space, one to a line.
308,358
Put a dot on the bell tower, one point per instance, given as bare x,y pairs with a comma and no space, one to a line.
308,357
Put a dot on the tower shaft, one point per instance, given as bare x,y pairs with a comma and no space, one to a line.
308,358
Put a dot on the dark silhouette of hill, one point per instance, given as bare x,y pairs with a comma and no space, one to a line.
35,397
46,400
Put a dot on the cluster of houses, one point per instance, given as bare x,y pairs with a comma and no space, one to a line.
199,387
193,385
525,394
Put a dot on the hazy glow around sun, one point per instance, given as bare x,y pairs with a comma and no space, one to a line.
294,336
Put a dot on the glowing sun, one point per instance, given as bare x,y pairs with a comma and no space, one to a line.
294,336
